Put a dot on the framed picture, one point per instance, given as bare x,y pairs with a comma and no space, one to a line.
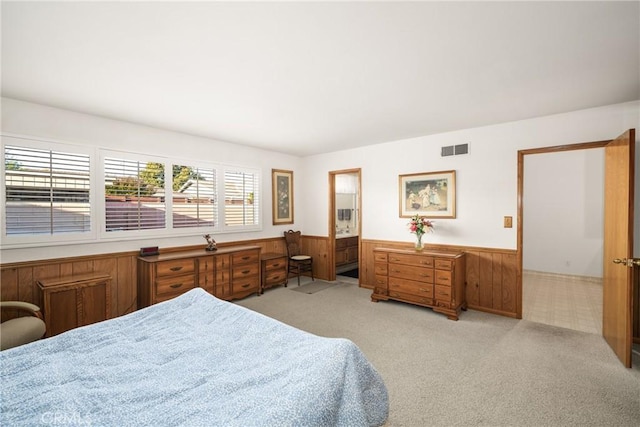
428,194
282,193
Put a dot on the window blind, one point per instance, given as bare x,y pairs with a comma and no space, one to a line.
194,197
241,204
134,195
46,191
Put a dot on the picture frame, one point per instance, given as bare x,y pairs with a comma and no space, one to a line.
428,194
282,196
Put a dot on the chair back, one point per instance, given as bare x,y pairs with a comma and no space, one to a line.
292,239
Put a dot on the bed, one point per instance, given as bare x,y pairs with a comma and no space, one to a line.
194,361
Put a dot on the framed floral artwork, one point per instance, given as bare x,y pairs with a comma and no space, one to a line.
428,194
282,193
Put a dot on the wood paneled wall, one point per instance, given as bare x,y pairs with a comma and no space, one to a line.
491,274
19,280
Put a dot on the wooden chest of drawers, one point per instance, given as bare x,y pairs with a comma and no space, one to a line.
274,270
229,273
428,278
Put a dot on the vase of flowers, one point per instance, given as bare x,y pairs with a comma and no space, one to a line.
420,225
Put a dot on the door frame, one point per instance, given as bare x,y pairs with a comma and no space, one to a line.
520,215
331,270
520,218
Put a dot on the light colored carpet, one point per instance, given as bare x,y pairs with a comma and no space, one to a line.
483,370
311,287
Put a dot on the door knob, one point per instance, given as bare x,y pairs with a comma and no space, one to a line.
628,262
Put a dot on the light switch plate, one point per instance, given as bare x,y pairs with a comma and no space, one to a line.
508,222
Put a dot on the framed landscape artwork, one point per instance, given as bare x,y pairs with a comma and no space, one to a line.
428,194
282,193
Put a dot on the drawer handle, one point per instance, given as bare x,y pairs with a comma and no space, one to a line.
176,286
246,271
175,268
444,278
244,258
246,285
424,290
276,265
275,277
394,295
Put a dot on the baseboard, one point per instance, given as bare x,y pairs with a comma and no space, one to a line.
558,276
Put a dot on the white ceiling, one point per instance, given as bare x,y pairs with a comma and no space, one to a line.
306,78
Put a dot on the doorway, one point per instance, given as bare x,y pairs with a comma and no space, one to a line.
619,276
563,212
344,225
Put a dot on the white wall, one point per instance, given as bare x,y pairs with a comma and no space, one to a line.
486,177
563,208
34,120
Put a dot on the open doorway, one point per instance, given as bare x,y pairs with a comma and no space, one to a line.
344,224
563,212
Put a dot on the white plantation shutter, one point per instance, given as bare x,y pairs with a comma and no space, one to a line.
194,203
132,202
46,191
241,204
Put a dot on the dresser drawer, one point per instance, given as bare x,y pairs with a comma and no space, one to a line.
275,276
380,269
175,266
276,264
246,257
422,274
380,257
411,298
411,287
246,284
443,277
443,264
175,285
240,271
443,293
381,281
405,259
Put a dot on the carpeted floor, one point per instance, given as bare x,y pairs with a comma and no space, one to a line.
483,370
312,287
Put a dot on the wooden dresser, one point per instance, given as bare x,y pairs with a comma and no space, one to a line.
274,270
428,278
73,301
228,273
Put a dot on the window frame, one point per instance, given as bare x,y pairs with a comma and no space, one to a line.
31,240
97,204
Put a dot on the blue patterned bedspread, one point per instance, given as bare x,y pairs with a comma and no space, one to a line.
193,361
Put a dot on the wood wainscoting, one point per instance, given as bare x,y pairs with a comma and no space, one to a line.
491,275
20,280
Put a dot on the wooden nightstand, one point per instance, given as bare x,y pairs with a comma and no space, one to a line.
274,270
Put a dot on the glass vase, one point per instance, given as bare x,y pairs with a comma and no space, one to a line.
418,242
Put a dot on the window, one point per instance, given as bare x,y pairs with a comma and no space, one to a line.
194,197
241,201
47,192
53,193
134,195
